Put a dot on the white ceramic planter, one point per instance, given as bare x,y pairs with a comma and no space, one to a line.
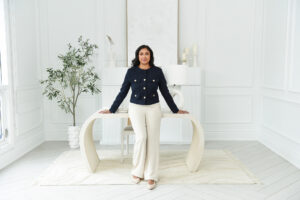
73,136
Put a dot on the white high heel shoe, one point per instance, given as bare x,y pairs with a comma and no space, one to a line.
136,180
151,186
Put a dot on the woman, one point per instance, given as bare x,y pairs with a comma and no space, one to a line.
144,111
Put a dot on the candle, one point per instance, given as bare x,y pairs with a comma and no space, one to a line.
183,57
187,50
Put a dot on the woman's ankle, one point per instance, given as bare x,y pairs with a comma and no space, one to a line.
137,177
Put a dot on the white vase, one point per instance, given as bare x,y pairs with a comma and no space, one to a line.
73,136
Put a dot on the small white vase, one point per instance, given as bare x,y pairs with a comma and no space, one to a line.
73,136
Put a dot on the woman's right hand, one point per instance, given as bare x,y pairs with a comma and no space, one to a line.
105,111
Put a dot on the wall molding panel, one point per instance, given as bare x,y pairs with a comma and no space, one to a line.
226,104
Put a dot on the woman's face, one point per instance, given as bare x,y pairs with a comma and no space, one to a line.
144,56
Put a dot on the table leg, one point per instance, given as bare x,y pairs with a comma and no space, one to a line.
196,150
87,146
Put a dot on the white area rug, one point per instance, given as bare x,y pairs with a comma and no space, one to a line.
217,167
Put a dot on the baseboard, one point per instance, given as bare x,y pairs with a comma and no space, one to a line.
20,149
284,147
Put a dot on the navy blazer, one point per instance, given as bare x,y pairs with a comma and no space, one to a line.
144,84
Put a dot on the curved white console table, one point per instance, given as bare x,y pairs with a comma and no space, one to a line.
90,156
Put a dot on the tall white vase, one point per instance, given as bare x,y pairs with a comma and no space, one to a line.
73,136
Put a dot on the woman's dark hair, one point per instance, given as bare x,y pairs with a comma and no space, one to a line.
136,62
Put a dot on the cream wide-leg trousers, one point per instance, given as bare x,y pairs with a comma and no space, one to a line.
145,120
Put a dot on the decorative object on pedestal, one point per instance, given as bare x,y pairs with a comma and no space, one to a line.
190,58
112,56
67,84
176,76
185,55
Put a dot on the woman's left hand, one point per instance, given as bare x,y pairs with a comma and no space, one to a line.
182,112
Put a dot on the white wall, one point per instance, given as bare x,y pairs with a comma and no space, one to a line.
280,93
28,125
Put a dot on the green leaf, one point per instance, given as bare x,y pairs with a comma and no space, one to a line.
73,77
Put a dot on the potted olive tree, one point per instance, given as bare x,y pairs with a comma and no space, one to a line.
66,84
